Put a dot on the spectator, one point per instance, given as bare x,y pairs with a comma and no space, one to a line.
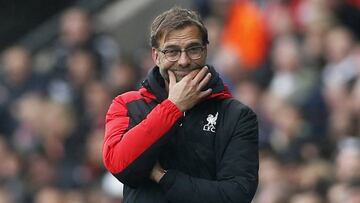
18,77
122,77
308,197
347,163
337,193
5,196
353,191
245,34
76,30
291,80
49,195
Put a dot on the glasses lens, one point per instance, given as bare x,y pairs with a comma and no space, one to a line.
172,55
194,52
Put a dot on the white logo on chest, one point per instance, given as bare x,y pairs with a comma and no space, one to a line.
210,126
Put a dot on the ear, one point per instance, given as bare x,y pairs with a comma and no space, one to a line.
205,51
155,55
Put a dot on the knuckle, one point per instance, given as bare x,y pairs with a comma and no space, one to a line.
193,83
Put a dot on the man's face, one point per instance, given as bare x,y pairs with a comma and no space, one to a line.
179,39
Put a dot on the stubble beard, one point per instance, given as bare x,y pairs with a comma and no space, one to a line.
189,68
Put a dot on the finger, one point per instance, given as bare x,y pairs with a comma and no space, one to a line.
205,93
201,74
204,81
191,75
172,78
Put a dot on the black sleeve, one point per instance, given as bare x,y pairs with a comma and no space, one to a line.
237,174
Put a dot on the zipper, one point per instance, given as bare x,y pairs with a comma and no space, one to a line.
181,123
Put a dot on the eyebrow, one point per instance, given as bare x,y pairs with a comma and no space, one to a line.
192,44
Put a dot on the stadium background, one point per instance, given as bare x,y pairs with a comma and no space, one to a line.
295,62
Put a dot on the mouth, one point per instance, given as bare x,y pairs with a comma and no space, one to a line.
181,73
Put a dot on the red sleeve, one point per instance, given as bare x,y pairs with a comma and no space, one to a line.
123,146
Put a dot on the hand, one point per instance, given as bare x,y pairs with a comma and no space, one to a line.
157,172
188,91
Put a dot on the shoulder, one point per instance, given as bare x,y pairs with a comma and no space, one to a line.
140,97
239,120
121,102
131,96
236,108
128,97
236,115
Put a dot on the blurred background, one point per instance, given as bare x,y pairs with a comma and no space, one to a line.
295,62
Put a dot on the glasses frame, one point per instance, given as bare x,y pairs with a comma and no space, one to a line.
180,51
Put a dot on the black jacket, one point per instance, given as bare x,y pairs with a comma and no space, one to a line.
210,151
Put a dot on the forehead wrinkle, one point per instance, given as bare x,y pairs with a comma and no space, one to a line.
182,37
187,45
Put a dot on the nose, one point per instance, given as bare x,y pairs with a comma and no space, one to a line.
184,60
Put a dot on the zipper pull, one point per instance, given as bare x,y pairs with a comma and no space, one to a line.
181,124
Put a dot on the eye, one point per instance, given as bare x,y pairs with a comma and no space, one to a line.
194,50
171,52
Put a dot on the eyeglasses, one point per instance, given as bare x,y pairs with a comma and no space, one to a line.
193,53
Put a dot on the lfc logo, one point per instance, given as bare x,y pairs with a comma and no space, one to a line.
210,126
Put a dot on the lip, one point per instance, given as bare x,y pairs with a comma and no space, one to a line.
181,73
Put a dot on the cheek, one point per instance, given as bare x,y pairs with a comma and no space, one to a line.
164,64
198,63
164,74
161,61
164,67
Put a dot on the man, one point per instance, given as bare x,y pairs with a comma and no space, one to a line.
181,138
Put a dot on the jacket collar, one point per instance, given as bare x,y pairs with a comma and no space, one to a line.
155,84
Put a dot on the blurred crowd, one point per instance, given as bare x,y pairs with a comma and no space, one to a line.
295,62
